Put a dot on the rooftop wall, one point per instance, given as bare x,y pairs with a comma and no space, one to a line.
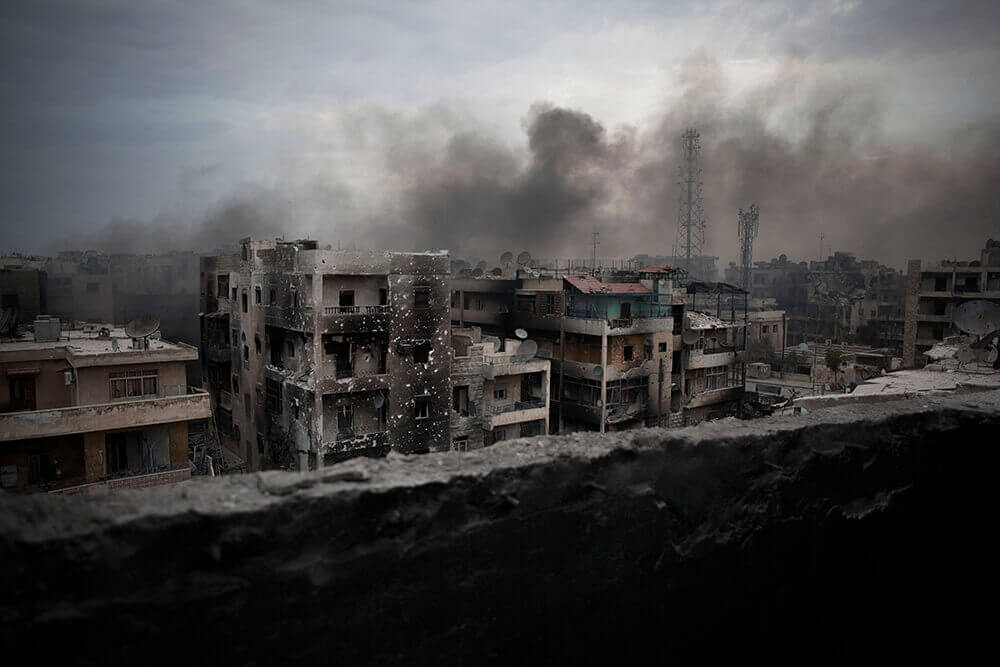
855,533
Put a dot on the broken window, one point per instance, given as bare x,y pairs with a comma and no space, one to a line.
422,297
222,287
290,346
234,294
273,393
454,299
272,298
421,353
525,303
662,347
460,444
236,383
763,328
247,406
648,349
256,295
460,400
256,344
629,353
383,296
345,419
115,453
245,304
422,407
346,298
499,394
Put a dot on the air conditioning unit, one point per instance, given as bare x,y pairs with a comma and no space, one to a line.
68,377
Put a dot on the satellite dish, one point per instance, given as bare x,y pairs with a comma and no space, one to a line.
488,371
803,347
492,339
497,271
477,272
977,317
598,371
521,333
523,258
526,350
990,356
690,337
964,354
379,400
506,258
142,327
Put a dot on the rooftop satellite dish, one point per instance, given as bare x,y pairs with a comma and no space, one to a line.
690,337
521,333
598,371
477,272
496,271
523,258
977,317
526,350
803,347
379,400
493,340
990,356
488,371
507,258
143,326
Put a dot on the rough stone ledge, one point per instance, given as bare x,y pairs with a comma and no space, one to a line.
836,532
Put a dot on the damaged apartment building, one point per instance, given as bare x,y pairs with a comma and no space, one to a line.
934,290
616,344
316,355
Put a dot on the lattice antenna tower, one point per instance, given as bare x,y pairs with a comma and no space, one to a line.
691,211
749,223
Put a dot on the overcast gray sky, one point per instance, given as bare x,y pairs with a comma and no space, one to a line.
169,124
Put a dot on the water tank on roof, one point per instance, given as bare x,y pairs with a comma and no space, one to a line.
46,328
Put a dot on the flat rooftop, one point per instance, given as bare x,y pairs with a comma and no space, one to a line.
80,342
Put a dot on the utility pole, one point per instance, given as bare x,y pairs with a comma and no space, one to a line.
749,223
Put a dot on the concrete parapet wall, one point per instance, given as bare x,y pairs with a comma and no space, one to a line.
831,537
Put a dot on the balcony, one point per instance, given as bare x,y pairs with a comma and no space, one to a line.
219,353
164,409
168,475
355,310
711,358
515,413
348,441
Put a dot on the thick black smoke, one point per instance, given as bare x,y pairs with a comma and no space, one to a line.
809,146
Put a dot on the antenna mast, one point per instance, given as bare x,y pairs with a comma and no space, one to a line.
597,242
691,212
749,222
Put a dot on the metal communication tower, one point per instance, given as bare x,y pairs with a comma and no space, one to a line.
691,212
749,221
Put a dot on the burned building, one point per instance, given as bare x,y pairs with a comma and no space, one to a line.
313,355
611,342
23,292
93,408
497,394
934,290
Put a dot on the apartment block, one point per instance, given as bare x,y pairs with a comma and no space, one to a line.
497,394
92,409
933,291
611,342
315,355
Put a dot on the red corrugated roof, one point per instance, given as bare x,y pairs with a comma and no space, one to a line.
591,285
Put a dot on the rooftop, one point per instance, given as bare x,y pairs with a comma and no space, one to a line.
590,285
698,321
89,342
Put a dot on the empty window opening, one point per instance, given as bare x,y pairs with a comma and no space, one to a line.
628,353
346,298
422,407
422,297
662,347
383,296
460,400
499,394
421,353
257,295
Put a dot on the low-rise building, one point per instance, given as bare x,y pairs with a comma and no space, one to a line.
92,408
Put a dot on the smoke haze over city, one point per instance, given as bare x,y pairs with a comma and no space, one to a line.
502,128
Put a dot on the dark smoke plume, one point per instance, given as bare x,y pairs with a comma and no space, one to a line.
808,146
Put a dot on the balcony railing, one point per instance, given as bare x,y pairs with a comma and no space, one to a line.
517,405
348,439
355,310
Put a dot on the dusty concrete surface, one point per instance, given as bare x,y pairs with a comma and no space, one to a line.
838,536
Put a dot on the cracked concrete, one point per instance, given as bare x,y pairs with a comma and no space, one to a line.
827,537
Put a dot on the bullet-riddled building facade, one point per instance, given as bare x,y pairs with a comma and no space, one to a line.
313,355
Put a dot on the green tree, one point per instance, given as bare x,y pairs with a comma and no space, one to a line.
834,358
